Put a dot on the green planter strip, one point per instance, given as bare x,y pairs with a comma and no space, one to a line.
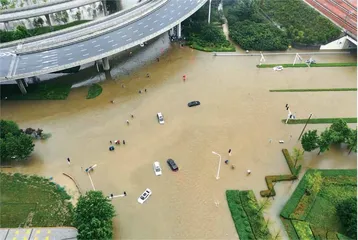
315,90
319,120
94,91
304,65
294,171
249,222
303,230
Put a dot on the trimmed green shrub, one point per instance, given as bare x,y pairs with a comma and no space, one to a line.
290,163
290,229
94,91
276,178
303,230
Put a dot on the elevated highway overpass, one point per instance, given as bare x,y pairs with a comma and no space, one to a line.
9,15
66,51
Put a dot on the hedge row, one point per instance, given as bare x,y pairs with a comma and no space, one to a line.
249,222
238,215
290,163
256,219
304,207
303,230
290,229
319,120
304,65
275,178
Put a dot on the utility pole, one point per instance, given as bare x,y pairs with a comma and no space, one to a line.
305,126
209,11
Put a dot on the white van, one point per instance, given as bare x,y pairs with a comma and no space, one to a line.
160,118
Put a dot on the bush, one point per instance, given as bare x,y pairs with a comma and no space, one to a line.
347,212
247,27
94,91
302,23
303,230
276,178
93,216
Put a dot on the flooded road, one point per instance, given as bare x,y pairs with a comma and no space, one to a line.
237,111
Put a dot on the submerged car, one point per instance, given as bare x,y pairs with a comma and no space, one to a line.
145,195
160,118
193,103
157,169
278,68
172,165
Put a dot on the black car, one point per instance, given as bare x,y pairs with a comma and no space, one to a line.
193,103
172,164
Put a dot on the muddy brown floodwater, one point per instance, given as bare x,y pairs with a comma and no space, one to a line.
237,111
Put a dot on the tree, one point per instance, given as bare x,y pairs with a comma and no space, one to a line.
14,144
352,141
297,155
20,33
38,22
325,141
264,204
93,216
8,127
347,212
340,131
314,182
310,140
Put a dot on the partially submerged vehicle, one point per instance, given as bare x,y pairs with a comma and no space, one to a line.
160,118
278,68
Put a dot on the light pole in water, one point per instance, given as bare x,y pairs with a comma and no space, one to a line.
217,174
209,11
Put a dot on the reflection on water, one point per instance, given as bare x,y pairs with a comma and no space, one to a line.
237,111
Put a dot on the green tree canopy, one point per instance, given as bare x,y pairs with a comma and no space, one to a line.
347,212
13,143
340,131
93,216
310,140
325,140
352,141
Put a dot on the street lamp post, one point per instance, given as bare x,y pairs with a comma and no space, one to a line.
305,126
217,174
209,11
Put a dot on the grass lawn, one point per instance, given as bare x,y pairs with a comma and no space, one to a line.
33,201
94,91
316,214
318,120
315,90
47,90
303,65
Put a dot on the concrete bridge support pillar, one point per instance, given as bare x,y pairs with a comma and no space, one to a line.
179,31
105,63
7,26
48,19
20,83
171,32
104,3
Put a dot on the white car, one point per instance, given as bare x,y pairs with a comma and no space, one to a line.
145,195
157,169
278,68
160,118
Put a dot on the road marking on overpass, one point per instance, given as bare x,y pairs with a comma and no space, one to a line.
82,50
94,41
128,39
161,24
136,30
119,32
145,26
170,19
66,49
140,23
100,50
124,36
179,13
70,59
47,56
114,45
81,45
149,18
85,54
151,29
140,34
110,41
68,54
106,37
164,16
97,46
186,8
130,28
155,21
7,54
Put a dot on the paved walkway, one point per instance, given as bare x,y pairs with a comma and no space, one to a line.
58,233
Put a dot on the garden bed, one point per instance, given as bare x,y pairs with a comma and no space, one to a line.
304,65
319,120
314,216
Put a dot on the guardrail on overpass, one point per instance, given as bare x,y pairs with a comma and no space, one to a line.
94,31
74,28
14,76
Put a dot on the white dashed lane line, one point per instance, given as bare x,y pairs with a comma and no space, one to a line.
85,54
110,41
97,46
82,50
68,54
106,37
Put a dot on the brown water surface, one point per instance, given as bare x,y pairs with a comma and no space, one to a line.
237,111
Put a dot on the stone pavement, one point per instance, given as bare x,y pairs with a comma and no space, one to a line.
57,233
